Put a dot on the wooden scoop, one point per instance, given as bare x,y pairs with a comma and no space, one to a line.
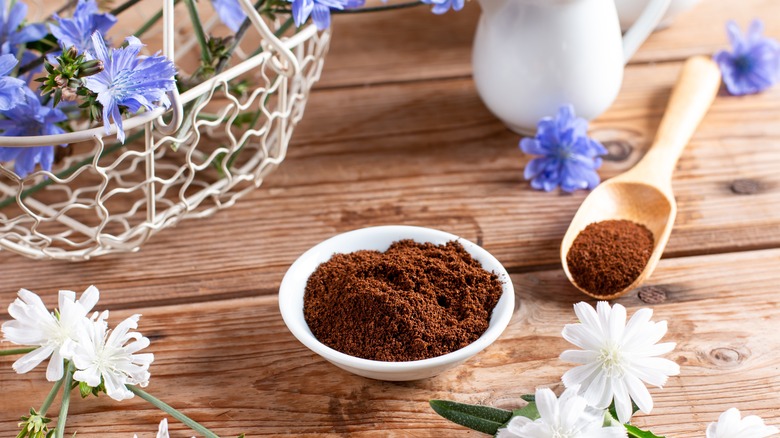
644,193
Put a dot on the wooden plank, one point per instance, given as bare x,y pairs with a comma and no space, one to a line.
234,366
429,154
413,44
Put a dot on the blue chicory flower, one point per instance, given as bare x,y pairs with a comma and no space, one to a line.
442,6
11,88
569,158
230,13
30,118
129,80
77,31
319,10
14,31
754,63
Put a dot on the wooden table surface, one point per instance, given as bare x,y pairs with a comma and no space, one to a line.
395,134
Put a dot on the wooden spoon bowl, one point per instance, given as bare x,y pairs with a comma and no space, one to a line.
644,193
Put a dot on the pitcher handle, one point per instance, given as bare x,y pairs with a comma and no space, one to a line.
643,26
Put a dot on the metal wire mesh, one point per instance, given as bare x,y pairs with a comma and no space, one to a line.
107,197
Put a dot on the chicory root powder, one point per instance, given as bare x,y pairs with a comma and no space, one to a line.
413,301
606,257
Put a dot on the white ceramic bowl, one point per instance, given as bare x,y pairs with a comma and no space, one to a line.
379,238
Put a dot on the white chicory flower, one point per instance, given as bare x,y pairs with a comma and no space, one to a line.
53,333
731,425
162,430
566,417
617,359
111,357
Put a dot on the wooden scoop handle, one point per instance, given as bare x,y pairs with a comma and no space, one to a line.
692,96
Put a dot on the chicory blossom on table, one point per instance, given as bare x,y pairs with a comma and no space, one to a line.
569,158
319,10
442,6
13,29
730,424
129,80
753,65
111,357
53,334
617,359
77,31
566,417
30,118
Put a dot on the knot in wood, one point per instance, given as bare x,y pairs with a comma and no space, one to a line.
617,150
726,356
745,187
652,294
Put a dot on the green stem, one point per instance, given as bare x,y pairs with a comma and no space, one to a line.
159,404
14,351
200,34
70,170
50,398
59,432
124,6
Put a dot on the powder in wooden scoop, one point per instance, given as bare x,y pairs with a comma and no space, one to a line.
414,301
606,257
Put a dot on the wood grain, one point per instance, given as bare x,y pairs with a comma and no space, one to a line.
413,44
234,366
395,133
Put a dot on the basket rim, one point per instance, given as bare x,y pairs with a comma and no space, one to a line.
99,132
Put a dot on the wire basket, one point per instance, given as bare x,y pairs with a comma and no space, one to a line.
216,143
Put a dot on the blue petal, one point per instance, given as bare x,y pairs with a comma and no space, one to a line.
230,13
537,166
301,10
7,63
533,146
321,16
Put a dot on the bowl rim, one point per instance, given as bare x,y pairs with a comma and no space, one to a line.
499,319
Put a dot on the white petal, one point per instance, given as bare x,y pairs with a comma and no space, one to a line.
606,432
622,401
579,356
89,375
637,322
89,298
587,315
572,412
639,393
162,431
55,370
581,375
547,404
582,336
32,359
517,423
603,310
617,322
115,387
657,349
65,296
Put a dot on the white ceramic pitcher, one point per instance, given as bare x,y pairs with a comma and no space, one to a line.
531,56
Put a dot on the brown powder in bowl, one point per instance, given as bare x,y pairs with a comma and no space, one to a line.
414,301
606,257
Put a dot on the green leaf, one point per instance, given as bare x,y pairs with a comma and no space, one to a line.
530,398
635,432
480,418
528,411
